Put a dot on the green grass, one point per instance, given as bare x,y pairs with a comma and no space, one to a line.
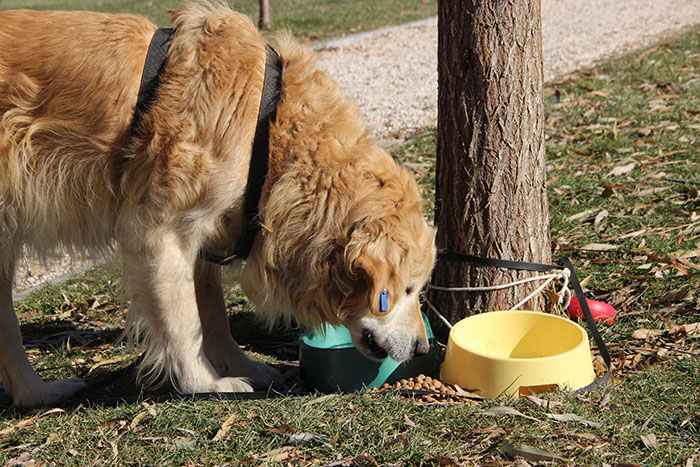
387,429
597,120
623,148
309,20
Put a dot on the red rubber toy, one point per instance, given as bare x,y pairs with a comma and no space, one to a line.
601,311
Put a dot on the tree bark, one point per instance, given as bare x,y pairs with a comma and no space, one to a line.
264,21
490,191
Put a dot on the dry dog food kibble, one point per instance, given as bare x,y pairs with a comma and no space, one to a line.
441,392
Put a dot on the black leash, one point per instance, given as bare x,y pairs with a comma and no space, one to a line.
499,263
592,326
563,263
267,112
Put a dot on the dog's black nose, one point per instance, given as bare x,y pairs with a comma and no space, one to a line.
422,347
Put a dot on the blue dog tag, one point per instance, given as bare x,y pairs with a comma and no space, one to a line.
384,300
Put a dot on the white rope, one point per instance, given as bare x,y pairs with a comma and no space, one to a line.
437,313
564,293
490,288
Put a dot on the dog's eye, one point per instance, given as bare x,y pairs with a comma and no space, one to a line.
409,290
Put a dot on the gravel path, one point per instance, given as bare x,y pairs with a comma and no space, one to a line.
392,74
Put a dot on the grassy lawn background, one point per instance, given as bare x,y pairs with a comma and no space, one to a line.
623,184
309,20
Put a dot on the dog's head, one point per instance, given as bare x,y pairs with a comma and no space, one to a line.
344,240
356,253
394,272
389,254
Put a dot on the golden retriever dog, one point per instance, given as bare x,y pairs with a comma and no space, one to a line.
342,225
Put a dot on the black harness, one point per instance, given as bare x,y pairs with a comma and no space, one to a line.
272,88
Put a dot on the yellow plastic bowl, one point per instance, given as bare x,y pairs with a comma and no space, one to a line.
505,353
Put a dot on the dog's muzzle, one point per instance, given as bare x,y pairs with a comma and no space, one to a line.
371,345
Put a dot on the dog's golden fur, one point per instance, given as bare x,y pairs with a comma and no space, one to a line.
341,221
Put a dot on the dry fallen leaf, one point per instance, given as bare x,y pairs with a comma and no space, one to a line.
541,402
52,438
599,221
502,410
582,215
689,330
650,441
117,359
599,247
622,169
276,455
634,234
282,428
462,392
27,422
141,416
298,438
21,424
570,417
689,254
225,427
528,452
321,399
115,450
645,334
180,444
25,459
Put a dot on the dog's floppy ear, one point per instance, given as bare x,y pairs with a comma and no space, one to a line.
373,266
377,275
384,223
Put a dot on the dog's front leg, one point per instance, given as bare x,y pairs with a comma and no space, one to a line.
159,267
19,379
219,346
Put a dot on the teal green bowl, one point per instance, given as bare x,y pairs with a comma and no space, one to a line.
330,362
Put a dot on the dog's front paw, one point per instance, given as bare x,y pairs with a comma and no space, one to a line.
232,385
260,375
237,364
46,393
253,375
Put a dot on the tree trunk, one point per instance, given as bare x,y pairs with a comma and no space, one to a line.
490,191
264,22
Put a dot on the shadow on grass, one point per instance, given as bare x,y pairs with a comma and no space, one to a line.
252,333
117,385
67,334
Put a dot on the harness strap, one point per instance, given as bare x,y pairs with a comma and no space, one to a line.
272,89
269,100
150,79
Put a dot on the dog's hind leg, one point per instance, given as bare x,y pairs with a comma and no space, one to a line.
16,373
159,267
222,350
